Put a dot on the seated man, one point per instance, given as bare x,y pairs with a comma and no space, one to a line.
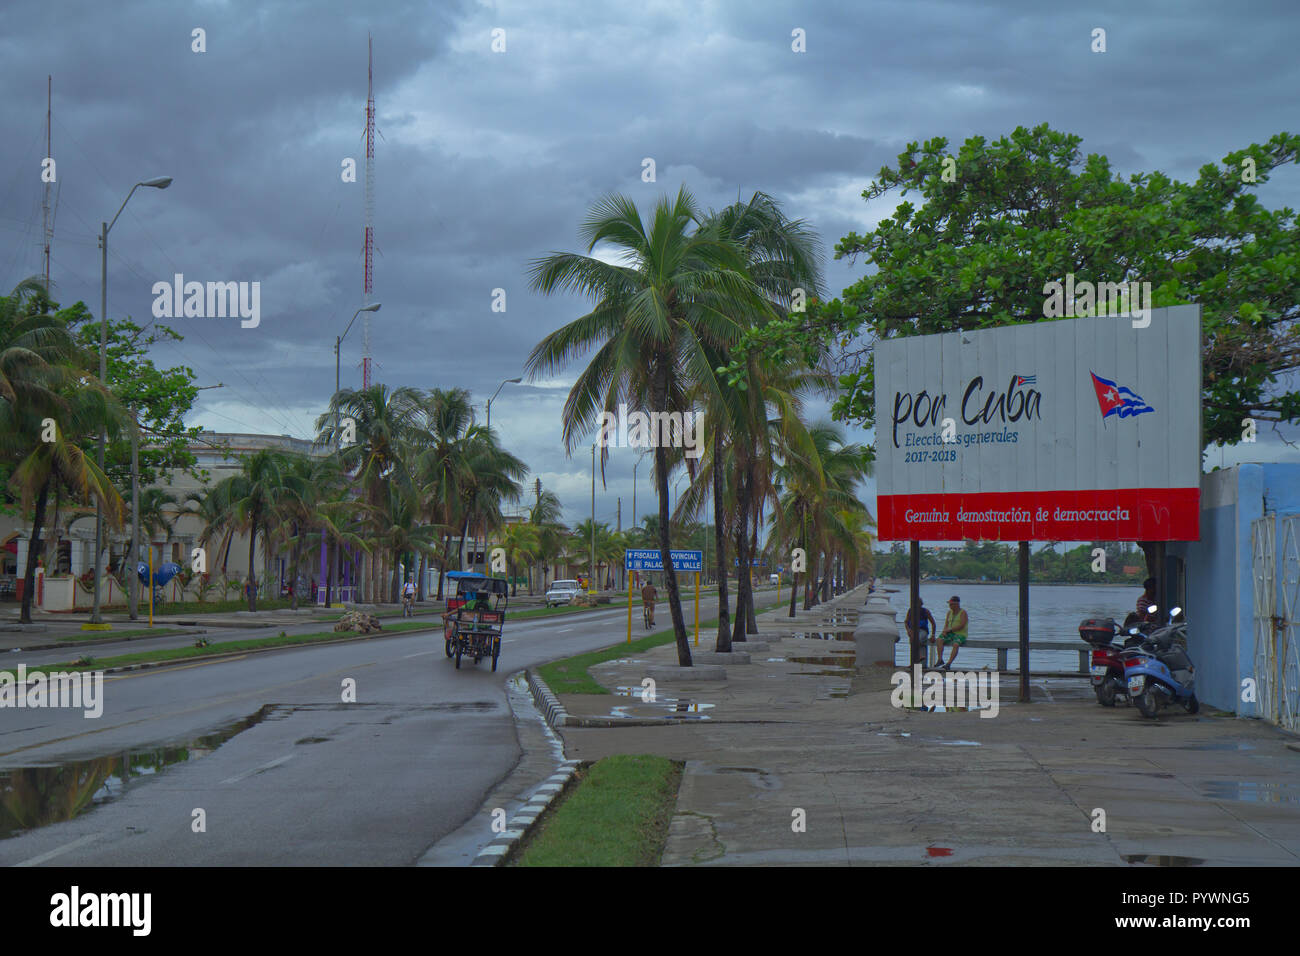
955,626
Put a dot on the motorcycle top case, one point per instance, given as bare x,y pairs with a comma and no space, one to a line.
1098,630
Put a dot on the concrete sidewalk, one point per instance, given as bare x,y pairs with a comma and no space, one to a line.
800,733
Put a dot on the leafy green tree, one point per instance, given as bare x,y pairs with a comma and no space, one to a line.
163,397
1029,208
1025,210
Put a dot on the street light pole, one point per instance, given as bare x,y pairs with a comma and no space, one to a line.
133,575
591,586
509,381
161,182
338,345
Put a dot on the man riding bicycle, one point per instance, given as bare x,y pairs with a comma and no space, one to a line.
648,595
408,597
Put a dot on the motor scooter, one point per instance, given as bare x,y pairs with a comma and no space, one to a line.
1111,645
1160,673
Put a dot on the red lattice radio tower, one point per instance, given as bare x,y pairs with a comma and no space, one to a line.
370,207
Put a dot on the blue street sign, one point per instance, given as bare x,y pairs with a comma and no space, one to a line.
648,559
755,563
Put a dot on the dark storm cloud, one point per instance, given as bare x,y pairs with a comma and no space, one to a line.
489,161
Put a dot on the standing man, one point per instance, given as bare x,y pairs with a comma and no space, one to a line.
954,630
648,595
1146,600
927,622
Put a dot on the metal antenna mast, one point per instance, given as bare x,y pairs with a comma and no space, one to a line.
47,221
370,207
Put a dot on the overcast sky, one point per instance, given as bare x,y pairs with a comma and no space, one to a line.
488,160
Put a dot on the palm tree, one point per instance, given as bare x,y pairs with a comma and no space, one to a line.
49,402
781,255
254,495
441,467
493,476
308,483
819,484
677,292
59,462
153,514
212,508
384,421
520,541
545,517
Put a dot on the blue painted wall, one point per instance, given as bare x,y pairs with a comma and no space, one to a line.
1219,577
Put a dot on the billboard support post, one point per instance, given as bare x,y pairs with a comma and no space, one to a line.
914,575
1024,622
1162,583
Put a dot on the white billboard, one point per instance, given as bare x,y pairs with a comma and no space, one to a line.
1066,430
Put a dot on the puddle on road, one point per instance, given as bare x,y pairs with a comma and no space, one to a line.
1252,791
1148,859
32,797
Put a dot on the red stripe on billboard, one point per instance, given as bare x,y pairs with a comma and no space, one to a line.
1124,514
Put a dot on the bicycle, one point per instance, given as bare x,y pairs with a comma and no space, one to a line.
648,615
408,605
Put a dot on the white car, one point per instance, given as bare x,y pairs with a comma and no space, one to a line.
562,592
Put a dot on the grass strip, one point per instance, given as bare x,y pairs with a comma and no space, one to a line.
124,635
569,674
225,647
616,814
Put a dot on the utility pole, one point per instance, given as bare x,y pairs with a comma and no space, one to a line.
619,526
591,585
131,571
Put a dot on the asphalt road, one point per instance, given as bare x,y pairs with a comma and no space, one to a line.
315,781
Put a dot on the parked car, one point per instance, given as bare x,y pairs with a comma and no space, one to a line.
562,592
774,579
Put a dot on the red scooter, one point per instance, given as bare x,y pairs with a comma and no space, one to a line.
1109,654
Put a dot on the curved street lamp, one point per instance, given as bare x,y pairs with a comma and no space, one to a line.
509,381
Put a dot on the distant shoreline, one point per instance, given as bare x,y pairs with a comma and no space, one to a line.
903,582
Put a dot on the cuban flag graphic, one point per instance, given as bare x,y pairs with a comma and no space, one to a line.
1117,400
1026,379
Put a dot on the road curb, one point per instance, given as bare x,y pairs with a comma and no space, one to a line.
495,853
547,702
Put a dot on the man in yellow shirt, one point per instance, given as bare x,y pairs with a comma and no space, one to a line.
955,626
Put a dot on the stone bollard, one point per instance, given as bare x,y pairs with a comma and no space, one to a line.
875,637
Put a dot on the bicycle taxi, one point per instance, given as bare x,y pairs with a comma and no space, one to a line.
475,617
